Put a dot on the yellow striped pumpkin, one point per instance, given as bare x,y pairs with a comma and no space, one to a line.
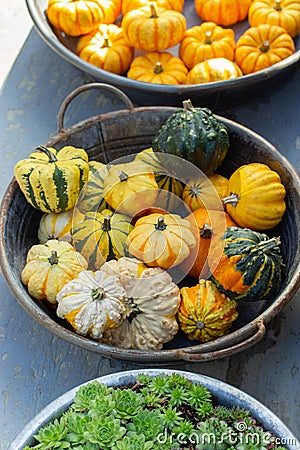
101,236
49,267
91,196
50,179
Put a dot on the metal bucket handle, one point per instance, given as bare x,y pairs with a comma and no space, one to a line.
190,354
86,87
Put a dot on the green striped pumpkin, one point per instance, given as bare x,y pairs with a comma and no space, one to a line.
101,236
51,180
246,264
91,197
165,182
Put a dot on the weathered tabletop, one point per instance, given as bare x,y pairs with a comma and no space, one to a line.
36,366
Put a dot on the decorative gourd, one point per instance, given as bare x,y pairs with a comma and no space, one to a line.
214,69
129,5
168,202
92,303
76,17
284,13
206,192
158,67
51,180
250,267
117,7
101,236
210,223
106,48
196,135
263,46
130,187
151,306
56,226
257,197
91,196
49,267
152,28
205,314
222,12
161,240
205,41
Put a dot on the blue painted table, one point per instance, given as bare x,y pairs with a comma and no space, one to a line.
36,366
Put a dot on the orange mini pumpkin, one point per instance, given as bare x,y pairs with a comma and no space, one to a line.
161,240
160,68
210,223
222,12
76,17
152,28
206,192
263,46
106,48
214,69
129,5
284,13
205,41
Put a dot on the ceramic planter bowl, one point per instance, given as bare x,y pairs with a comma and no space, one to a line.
225,394
108,137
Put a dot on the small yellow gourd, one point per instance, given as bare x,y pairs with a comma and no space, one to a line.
49,267
204,313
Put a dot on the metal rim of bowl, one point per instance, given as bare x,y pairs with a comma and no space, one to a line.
227,345
123,82
226,394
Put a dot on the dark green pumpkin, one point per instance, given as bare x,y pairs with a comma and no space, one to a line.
196,135
249,266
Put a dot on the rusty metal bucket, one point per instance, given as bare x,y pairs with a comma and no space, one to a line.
115,134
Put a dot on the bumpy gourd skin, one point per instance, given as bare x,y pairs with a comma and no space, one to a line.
51,180
151,306
195,135
251,264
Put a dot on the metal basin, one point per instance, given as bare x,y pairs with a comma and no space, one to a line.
115,134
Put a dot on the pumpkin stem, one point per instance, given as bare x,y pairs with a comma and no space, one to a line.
106,40
158,68
208,37
98,293
53,259
122,175
51,156
161,226
188,105
277,5
232,199
268,245
153,11
265,46
133,309
106,223
206,231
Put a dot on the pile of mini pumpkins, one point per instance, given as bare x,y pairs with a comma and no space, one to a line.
110,236
138,46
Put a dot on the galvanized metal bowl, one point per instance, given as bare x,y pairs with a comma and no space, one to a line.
225,394
115,134
217,95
